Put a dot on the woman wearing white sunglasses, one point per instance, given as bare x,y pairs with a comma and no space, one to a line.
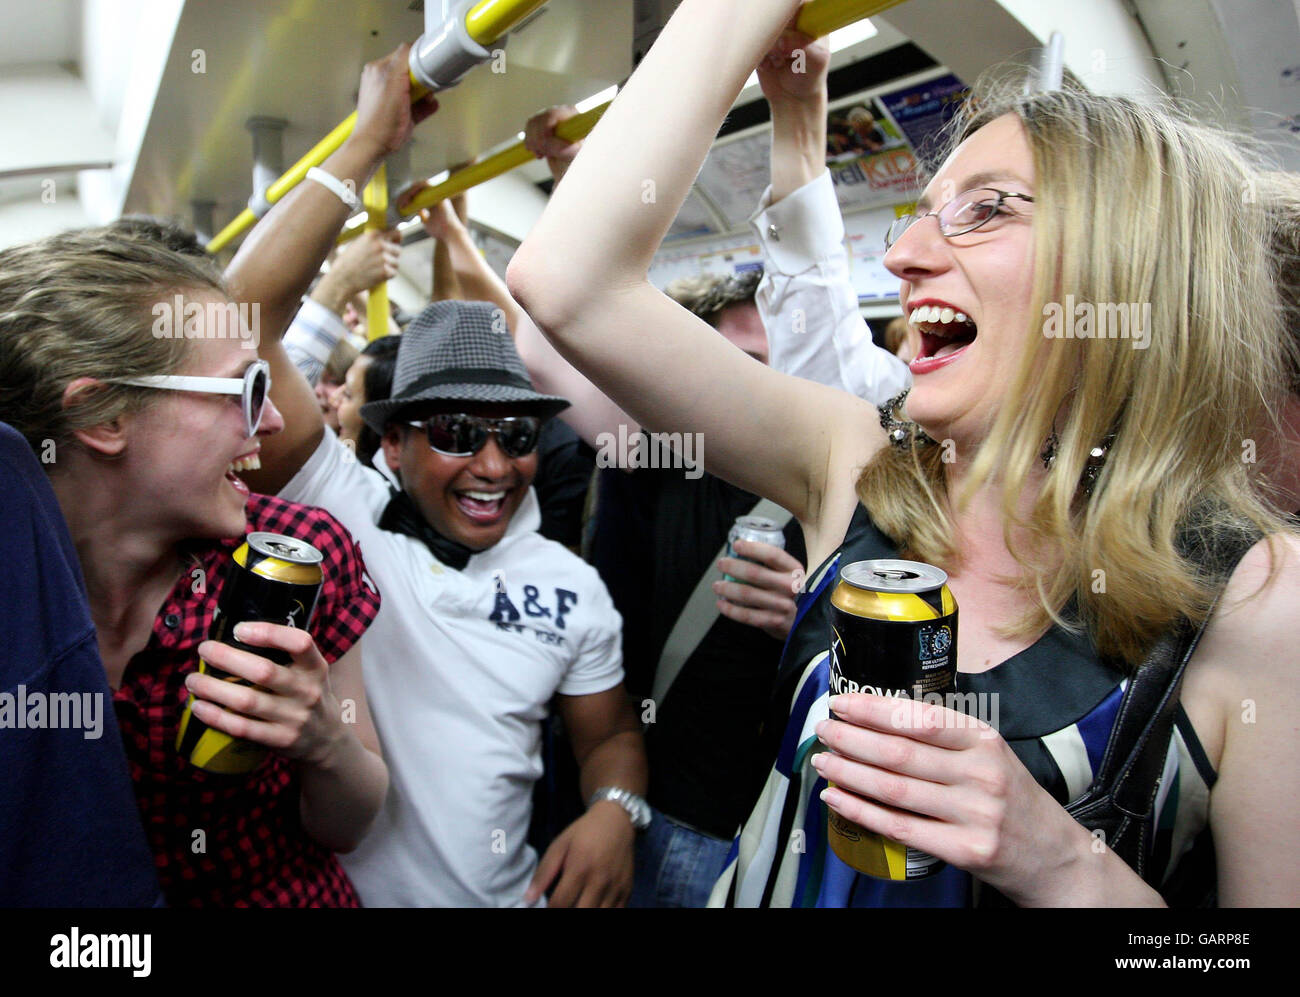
119,373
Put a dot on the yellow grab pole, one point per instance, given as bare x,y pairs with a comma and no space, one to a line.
821,17
495,165
486,22
375,198
489,20
817,18
320,152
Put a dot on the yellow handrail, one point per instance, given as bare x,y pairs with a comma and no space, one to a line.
495,165
491,19
375,198
817,18
821,17
486,22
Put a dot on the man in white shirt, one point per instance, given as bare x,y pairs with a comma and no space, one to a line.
483,621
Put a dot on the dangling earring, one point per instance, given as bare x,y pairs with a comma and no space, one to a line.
1096,461
902,432
1049,449
1091,468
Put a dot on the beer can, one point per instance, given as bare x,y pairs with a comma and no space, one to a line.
757,528
893,633
270,578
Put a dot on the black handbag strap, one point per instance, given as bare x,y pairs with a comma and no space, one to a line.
1121,799
1135,754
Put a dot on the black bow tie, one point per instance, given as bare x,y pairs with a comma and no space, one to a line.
402,516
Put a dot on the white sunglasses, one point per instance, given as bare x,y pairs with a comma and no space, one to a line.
254,385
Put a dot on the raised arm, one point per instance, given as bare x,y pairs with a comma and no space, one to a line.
542,142
284,251
446,286
581,275
806,300
795,87
318,327
368,260
474,279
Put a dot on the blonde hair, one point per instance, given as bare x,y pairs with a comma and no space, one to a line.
1133,204
80,305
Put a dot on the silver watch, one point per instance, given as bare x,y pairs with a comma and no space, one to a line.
637,808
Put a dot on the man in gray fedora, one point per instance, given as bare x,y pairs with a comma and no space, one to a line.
483,623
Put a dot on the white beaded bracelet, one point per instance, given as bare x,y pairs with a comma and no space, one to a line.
336,185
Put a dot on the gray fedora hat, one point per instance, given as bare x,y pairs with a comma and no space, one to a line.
458,351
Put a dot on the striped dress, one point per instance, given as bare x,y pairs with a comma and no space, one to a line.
1054,703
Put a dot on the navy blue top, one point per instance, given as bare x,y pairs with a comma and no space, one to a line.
70,833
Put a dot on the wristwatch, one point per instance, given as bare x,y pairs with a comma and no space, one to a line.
637,808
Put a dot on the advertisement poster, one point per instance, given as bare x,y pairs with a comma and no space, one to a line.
723,255
869,157
736,174
923,110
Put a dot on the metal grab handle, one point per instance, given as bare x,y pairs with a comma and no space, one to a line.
486,22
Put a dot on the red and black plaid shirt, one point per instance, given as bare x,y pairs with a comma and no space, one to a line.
253,850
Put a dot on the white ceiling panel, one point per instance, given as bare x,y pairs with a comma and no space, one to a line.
40,31
300,60
50,122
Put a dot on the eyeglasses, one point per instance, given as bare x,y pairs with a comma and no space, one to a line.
964,213
461,435
254,386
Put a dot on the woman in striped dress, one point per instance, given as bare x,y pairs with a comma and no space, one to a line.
1049,214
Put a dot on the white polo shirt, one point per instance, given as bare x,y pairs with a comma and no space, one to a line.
459,669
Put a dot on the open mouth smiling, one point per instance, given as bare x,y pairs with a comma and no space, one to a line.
945,330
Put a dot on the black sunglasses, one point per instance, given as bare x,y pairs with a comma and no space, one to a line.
460,435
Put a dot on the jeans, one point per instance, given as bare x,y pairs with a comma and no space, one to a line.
676,866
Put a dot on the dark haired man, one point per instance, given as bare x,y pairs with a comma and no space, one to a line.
486,621
483,622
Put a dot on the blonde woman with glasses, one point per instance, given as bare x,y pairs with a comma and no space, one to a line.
1082,494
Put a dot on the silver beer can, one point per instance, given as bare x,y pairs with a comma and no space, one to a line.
757,528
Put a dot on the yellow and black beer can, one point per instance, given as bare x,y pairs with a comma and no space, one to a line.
893,633
270,578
